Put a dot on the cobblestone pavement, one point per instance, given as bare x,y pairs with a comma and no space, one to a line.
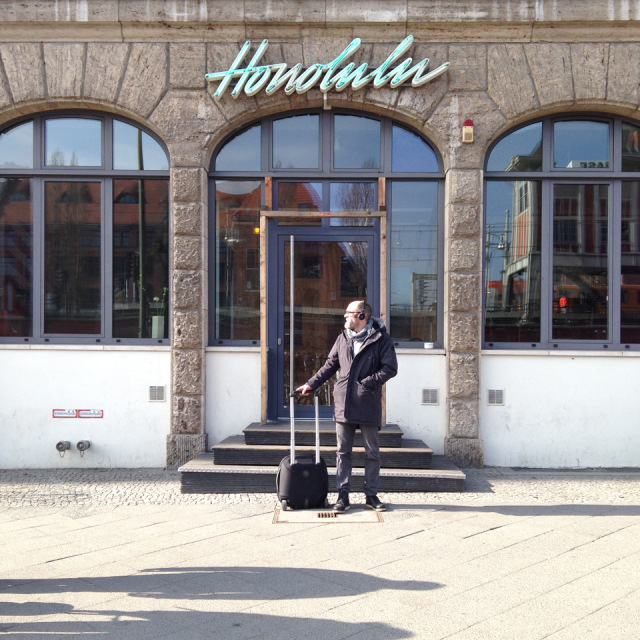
158,486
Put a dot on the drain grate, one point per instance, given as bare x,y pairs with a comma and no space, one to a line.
327,514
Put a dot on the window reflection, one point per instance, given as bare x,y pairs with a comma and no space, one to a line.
140,237
238,260
353,196
580,255
327,277
300,196
413,245
519,151
356,143
72,262
16,246
630,254
296,142
16,147
410,152
73,142
134,150
512,261
580,144
630,147
241,153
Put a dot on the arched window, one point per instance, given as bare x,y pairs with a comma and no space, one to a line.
562,236
84,231
327,161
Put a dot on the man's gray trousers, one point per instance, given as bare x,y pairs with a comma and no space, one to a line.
346,432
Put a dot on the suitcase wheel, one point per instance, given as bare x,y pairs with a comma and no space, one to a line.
283,504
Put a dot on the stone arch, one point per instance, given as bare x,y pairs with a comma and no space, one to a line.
129,79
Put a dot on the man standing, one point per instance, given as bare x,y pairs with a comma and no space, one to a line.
366,358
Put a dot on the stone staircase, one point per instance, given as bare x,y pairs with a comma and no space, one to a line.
248,463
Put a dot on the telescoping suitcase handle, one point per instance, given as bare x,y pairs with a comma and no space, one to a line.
292,421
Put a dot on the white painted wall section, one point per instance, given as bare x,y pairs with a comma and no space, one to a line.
35,381
233,391
233,394
417,371
571,410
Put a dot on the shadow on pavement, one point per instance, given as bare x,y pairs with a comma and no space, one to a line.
196,625
223,583
527,510
188,599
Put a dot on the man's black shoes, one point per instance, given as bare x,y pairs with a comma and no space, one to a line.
342,504
373,503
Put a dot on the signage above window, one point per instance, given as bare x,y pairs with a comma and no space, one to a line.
254,78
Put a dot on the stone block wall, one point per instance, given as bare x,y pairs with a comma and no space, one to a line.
510,62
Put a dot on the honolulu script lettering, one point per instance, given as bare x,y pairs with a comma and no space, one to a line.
254,77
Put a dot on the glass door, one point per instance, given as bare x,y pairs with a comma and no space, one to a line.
330,271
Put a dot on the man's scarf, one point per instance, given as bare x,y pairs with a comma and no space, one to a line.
360,337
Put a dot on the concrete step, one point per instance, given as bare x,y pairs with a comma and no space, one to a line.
411,454
279,433
201,475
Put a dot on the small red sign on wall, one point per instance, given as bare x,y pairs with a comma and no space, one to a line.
65,413
90,413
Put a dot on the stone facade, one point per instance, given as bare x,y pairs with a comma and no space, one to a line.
510,62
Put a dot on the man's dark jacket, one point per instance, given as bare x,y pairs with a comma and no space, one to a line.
357,395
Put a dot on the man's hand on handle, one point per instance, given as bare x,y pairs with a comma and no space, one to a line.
304,390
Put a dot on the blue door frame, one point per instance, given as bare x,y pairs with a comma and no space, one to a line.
277,408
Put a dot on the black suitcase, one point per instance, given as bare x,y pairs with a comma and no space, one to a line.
302,482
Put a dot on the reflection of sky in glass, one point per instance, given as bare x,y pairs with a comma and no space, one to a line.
16,147
519,143
413,239
296,142
356,143
580,140
352,196
125,149
73,142
241,153
411,153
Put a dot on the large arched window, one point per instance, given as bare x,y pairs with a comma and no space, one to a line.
327,161
84,231
562,236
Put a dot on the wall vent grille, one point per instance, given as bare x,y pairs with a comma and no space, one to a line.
429,396
495,396
156,394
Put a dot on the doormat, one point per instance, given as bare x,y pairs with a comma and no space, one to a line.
309,516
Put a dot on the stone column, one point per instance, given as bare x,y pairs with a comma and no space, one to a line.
463,289
189,315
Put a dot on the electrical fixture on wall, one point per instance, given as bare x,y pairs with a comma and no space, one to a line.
467,131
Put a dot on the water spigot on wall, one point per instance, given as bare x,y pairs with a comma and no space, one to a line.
62,447
82,446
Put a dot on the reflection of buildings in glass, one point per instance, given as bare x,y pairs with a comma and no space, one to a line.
140,228
630,258
237,260
15,257
328,276
73,218
580,259
413,295
512,255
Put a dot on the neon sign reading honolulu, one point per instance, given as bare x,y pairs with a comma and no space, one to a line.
254,77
